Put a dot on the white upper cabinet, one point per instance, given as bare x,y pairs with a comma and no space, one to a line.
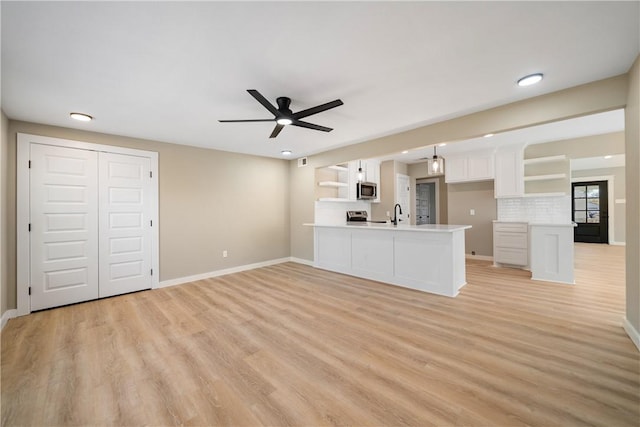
467,167
509,172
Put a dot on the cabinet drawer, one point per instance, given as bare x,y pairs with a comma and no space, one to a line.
512,227
511,256
511,240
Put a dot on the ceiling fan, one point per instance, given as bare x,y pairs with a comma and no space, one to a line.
284,116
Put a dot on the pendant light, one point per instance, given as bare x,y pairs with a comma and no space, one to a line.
360,174
436,164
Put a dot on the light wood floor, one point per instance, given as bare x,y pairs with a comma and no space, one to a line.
292,345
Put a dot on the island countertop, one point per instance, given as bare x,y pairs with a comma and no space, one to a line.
427,257
437,228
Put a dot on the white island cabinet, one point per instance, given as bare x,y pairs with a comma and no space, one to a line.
428,258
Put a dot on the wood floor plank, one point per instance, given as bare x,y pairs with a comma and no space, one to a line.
290,345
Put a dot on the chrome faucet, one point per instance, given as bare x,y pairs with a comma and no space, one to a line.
395,215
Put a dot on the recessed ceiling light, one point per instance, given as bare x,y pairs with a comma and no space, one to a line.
608,156
284,121
81,116
286,152
405,151
489,135
442,144
529,80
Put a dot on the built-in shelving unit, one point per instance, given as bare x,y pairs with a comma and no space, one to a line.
332,184
546,176
548,159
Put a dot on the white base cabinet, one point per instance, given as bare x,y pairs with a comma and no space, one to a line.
428,258
552,252
510,243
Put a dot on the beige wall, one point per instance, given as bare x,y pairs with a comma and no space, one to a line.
4,206
617,212
210,201
632,158
581,100
419,171
478,196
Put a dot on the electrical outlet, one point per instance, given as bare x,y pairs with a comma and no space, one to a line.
224,254
472,212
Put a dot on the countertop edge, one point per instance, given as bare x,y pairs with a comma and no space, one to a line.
387,227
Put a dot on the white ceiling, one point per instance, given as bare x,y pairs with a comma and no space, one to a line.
168,71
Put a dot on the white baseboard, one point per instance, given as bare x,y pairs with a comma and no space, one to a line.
238,269
618,243
9,314
479,257
632,332
301,261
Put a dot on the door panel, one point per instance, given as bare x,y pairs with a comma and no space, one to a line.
64,226
590,211
425,203
402,197
125,229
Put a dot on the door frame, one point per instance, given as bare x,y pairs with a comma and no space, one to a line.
610,199
23,209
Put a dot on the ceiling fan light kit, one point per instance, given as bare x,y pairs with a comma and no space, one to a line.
283,116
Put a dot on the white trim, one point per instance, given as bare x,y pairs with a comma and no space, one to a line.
22,207
632,332
301,261
610,200
479,257
238,269
618,243
621,201
9,314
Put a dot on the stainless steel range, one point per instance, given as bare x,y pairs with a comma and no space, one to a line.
356,216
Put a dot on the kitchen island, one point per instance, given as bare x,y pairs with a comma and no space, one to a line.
428,258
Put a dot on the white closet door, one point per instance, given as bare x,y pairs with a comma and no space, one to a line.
125,229
63,192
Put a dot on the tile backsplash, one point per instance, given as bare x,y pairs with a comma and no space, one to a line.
336,212
551,210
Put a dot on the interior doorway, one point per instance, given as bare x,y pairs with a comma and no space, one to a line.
590,211
426,212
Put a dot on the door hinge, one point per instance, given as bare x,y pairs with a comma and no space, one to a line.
152,271
151,223
29,164
29,226
150,174
29,290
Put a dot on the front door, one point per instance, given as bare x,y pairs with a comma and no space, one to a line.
590,211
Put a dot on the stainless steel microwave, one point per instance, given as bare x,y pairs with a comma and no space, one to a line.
367,190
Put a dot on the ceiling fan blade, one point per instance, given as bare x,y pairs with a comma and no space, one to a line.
262,100
247,120
308,125
276,131
317,109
